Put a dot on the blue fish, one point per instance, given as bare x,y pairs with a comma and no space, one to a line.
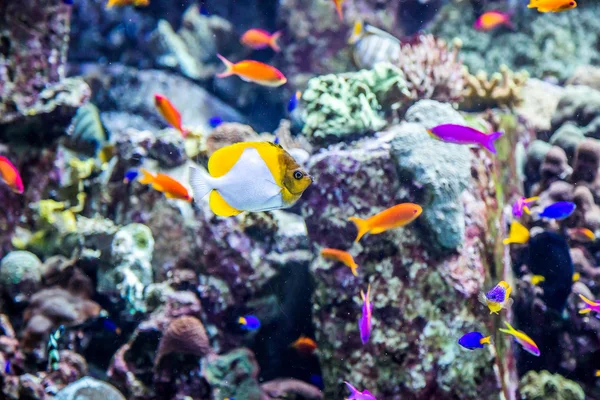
317,380
293,103
110,326
204,11
249,322
473,340
68,2
130,175
559,210
276,141
215,121
7,367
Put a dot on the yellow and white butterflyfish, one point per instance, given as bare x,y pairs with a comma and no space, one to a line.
250,176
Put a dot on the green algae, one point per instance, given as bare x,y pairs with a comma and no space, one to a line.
544,385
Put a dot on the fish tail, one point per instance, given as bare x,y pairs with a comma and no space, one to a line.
200,182
510,330
338,8
585,311
111,3
485,340
147,177
490,139
588,301
353,391
527,210
273,42
228,65
353,269
242,321
362,226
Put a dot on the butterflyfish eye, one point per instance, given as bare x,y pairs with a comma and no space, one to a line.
298,175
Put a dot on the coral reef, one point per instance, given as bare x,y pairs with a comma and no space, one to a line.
544,385
502,89
20,275
579,106
89,388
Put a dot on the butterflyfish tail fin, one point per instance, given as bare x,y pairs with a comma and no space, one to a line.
147,177
489,142
362,226
485,340
511,330
200,182
273,43
228,65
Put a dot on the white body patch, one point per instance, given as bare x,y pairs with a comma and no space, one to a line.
249,185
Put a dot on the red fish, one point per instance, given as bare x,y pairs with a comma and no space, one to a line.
253,71
492,19
169,113
165,184
10,175
259,39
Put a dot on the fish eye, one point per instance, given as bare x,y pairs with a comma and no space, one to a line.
298,175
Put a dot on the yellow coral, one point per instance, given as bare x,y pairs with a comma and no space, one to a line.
503,89
81,169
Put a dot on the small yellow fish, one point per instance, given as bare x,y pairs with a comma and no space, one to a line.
537,279
121,3
597,372
576,276
341,256
518,234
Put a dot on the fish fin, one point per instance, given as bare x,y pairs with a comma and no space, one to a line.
510,328
242,321
588,301
505,331
532,199
362,225
356,32
508,303
147,177
485,340
585,311
353,269
527,210
220,207
490,139
226,157
273,42
199,181
338,8
352,389
228,65
482,298
110,3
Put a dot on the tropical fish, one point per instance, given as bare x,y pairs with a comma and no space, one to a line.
537,279
215,121
109,325
10,175
520,337
552,5
492,19
7,367
317,380
68,2
250,176
293,103
576,276
597,372
169,113
364,324
130,175
581,234
338,8
253,71
460,134
473,340
249,322
521,205
259,39
559,210
52,348
591,305
393,217
497,298
121,3
356,395
517,234
304,345
165,184
341,256
372,45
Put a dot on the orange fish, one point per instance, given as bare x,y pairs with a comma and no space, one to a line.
391,218
258,39
253,71
581,234
121,3
544,6
10,175
165,184
492,19
304,345
338,8
341,256
169,113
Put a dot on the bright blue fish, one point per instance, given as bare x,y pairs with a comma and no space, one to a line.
7,367
276,141
110,326
293,103
68,2
249,322
473,340
317,380
130,175
215,121
560,210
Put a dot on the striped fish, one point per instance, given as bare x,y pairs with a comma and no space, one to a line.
372,45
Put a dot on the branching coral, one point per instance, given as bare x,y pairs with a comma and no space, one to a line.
503,89
432,69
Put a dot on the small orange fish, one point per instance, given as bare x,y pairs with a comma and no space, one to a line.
121,3
253,71
10,175
581,234
338,8
544,6
169,113
492,19
304,345
165,184
393,217
341,256
259,39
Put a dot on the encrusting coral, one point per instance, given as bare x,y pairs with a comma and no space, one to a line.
545,385
502,89
184,335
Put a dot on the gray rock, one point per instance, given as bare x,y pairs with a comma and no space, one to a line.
579,105
88,388
430,113
567,137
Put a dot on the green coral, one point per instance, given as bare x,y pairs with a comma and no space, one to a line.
234,375
20,265
544,385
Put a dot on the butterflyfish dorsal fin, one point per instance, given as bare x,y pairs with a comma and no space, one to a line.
220,207
225,158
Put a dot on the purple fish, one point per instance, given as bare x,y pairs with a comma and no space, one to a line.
522,205
364,325
356,395
464,135
559,210
473,340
